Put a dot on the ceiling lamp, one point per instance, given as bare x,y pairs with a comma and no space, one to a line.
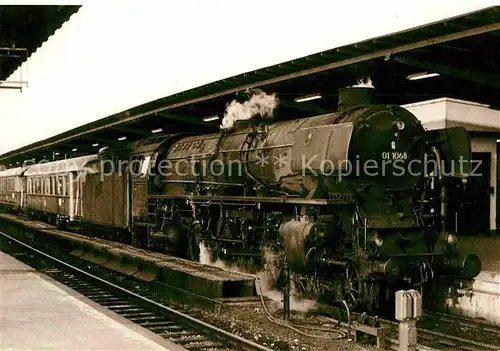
308,98
210,118
423,75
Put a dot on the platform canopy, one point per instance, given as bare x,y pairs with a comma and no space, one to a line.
23,29
458,57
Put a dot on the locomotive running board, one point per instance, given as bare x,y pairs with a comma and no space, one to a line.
334,200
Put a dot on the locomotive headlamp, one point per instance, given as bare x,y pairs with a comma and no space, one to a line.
377,240
451,239
400,125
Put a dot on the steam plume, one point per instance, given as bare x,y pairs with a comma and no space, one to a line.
266,279
260,103
365,82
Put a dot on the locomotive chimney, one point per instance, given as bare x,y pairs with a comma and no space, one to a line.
355,96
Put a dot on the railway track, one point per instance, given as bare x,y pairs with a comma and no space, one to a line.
477,335
440,331
173,325
193,334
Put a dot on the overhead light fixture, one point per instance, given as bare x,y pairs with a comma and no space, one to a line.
308,98
56,154
210,118
95,145
157,130
75,149
422,75
122,138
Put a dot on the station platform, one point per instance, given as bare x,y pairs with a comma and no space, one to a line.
38,313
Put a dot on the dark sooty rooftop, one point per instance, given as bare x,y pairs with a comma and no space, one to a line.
23,29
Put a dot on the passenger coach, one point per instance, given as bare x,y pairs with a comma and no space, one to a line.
55,189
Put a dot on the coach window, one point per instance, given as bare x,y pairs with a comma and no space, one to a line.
145,166
135,166
59,186
65,185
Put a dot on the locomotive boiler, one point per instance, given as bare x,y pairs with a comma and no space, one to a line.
353,204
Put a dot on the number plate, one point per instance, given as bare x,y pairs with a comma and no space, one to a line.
394,155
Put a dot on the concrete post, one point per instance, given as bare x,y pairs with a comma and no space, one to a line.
408,311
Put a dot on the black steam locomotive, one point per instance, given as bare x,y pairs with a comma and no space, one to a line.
353,204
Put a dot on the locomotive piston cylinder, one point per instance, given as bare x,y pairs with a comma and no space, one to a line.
466,266
388,268
294,234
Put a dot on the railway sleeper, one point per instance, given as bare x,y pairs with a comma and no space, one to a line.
169,335
145,318
189,339
101,295
108,298
137,314
203,345
128,310
157,324
119,306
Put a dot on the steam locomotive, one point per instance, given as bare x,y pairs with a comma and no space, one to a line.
350,205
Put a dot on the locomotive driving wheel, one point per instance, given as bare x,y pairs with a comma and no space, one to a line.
350,287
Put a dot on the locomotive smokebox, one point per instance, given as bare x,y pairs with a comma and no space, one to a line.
355,96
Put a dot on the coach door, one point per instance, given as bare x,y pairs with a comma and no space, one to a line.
139,178
474,217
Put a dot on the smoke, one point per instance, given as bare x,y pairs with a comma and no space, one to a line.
365,82
259,103
206,258
269,276
266,279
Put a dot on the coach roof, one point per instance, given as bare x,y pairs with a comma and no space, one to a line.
62,166
12,172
